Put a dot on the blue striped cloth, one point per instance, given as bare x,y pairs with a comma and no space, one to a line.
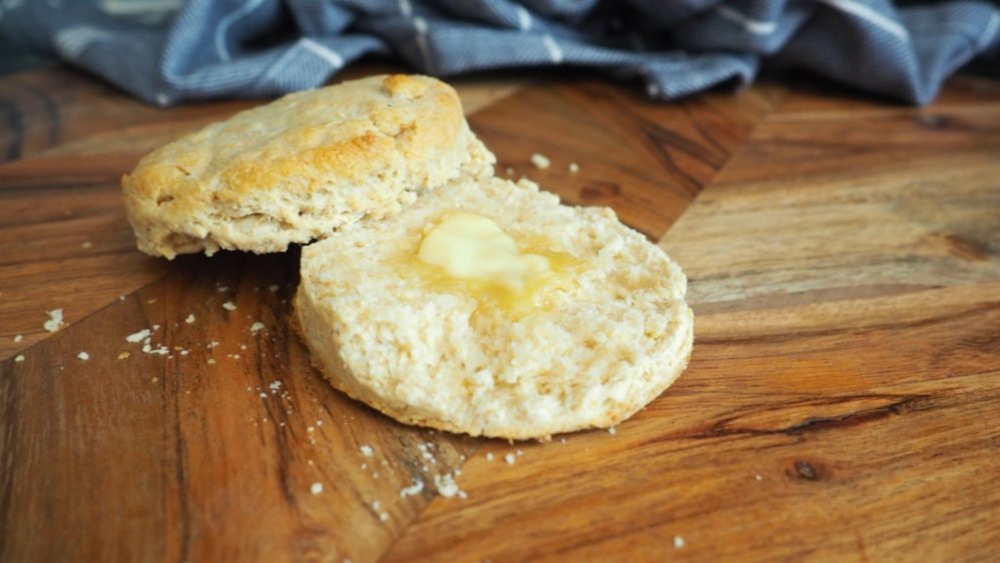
260,48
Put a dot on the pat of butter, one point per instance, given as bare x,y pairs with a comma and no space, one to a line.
472,247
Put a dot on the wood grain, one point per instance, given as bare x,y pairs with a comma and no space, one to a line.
644,159
212,449
61,111
65,242
840,404
845,276
209,450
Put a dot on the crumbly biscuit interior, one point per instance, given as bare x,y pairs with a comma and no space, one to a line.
601,347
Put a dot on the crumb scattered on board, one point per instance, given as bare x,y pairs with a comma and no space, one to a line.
413,489
136,337
146,337
229,305
19,358
574,168
55,321
83,356
446,486
316,488
257,326
678,542
190,319
540,161
18,338
377,507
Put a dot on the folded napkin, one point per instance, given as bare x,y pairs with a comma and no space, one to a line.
258,48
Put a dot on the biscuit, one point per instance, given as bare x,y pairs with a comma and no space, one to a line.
301,167
604,342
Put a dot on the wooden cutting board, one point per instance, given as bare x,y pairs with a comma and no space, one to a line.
842,400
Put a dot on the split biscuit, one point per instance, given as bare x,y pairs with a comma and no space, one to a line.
301,167
598,338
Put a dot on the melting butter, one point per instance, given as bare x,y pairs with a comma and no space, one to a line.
470,253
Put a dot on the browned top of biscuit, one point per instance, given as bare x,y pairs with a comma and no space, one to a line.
385,132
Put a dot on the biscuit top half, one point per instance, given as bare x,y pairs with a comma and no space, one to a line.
298,168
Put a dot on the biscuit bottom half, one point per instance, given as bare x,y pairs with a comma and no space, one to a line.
589,349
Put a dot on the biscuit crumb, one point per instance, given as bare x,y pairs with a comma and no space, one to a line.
229,306
55,321
137,337
678,542
509,458
367,450
148,348
758,477
123,355
316,488
540,161
445,485
509,171
413,489
18,338
273,288
190,319
489,456
425,451
574,168
19,358
612,430
87,244
83,356
257,326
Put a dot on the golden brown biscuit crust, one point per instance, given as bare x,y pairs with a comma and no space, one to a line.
298,168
